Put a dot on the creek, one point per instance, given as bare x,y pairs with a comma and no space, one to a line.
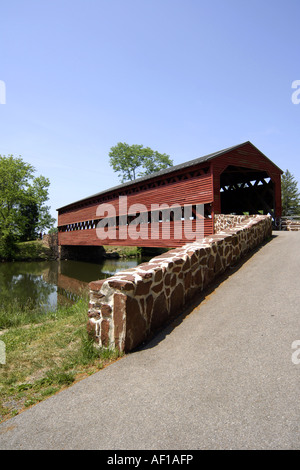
48,284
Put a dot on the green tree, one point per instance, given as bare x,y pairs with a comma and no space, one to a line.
30,214
133,161
290,195
22,203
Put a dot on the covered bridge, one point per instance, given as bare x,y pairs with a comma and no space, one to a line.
236,180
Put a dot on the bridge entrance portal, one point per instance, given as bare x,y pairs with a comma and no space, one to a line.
246,191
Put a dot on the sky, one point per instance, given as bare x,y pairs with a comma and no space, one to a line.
184,77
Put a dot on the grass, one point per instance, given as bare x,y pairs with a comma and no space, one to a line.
134,251
44,354
33,250
124,251
38,250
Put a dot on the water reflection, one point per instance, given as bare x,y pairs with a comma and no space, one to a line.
47,284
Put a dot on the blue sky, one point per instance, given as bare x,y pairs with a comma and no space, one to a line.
184,77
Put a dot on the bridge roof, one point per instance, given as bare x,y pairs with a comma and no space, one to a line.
171,169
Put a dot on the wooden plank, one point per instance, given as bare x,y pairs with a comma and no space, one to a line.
187,192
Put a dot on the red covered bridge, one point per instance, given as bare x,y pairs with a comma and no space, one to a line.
237,180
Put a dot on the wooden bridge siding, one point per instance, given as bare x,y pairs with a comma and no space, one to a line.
204,188
197,190
89,237
238,158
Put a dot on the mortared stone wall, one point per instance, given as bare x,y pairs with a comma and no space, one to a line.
127,308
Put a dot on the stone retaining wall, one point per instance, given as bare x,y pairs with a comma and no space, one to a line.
127,308
290,224
224,221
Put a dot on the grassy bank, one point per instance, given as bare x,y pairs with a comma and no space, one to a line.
134,251
123,251
44,354
38,250
35,250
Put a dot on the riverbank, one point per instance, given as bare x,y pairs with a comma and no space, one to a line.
132,251
44,354
35,250
45,250
124,252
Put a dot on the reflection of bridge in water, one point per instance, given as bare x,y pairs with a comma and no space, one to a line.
45,284
70,289
71,278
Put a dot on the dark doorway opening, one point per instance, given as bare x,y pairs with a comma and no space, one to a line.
246,191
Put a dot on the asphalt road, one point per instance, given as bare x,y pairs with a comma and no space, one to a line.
222,377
